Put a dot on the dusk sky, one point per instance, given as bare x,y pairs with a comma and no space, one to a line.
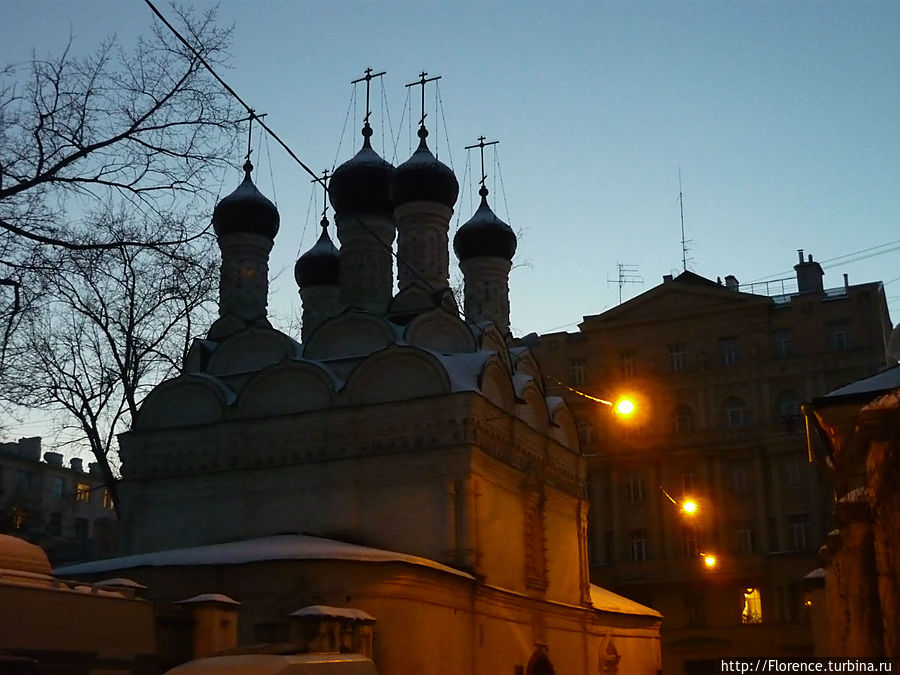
783,117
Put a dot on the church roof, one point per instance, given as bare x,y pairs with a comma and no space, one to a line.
278,547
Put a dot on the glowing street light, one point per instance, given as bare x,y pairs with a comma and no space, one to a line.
689,506
709,560
624,406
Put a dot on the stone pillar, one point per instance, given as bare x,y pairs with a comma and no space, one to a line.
423,252
244,275
367,271
487,290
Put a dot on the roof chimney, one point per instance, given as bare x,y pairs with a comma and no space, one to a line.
731,283
667,277
76,464
809,275
53,458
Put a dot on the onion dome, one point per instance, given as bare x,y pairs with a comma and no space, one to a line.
484,235
362,184
246,210
320,265
422,178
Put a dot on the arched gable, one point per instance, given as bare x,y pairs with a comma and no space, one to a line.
397,374
562,428
491,339
352,333
525,363
185,401
414,298
287,388
251,350
495,385
441,331
532,407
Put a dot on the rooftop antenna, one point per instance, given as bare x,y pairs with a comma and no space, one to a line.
367,78
681,209
627,274
423,80
481,144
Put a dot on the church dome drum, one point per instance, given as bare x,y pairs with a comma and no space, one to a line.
246,210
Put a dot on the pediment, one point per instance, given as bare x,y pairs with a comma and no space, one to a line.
674,298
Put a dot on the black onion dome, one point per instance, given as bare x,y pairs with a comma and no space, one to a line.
484,235
362,184
423,178
246,210
320,265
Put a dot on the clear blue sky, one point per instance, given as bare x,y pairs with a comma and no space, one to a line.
784,118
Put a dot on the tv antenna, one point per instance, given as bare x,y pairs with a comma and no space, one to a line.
627,274
684,242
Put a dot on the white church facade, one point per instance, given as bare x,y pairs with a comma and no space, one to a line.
402,459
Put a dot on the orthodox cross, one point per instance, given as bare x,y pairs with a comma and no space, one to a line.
481,144
422,81
251,115
367,78
324,181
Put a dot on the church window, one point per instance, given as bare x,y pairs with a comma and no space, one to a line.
535,544
678,357
752,609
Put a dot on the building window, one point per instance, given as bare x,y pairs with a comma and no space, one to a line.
579,375
695,610
55,525
781,345
57,485
684,419
82,492
797,528
635,487
107,499
690,543
728,352
81,528
743,537
637,545
736,413
678,357
838,334
752,610
627,361
739,481
23,482
585,432
793,469
687,483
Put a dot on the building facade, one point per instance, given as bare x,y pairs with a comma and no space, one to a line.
718,376
64,509
403,460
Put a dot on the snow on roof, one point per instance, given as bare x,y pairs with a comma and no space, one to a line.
856,495
818,573
607,601
463,368
278,547
209,597
278,664
883,381
120,582
339,612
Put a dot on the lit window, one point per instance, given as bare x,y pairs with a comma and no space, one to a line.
637,544
18,518
678,357
107,499
579,375
752,610
627,362
82,492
